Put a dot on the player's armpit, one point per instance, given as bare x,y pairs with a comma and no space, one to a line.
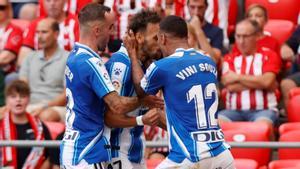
119,120
119,104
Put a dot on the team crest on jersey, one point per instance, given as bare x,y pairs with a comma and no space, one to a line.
105,75
117,71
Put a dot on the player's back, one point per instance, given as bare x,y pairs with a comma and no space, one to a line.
188,79
87,82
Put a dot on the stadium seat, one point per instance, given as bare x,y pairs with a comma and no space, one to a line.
241,163
294,92
279,29
152,163
55,128
279,9
246,125
284,164
293,109
287,127
249,133
23,24
288,153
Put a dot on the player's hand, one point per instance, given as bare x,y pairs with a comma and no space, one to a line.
151,118
152,101
130,44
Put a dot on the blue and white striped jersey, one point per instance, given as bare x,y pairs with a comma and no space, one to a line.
128,140
87,82
188,80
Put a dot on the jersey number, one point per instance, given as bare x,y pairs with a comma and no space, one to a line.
70,116
196,93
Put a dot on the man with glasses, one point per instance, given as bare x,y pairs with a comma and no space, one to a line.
249,77
10,43
43,70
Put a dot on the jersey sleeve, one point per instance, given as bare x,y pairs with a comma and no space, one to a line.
98,77
28,35
152,80
14,41
271,62
120,75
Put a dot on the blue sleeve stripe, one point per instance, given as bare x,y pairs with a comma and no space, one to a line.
99,76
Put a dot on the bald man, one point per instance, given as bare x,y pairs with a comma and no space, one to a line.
43,70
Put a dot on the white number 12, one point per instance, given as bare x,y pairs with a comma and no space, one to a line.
196,94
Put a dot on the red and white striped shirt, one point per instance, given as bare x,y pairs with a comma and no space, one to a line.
264,60
68,33
154,133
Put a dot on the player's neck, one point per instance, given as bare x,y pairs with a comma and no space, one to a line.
177,44
88,42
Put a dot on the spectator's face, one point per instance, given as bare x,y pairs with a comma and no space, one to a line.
104,30
197,8
47,37
54,8
245,38
150,46
258,15
3,10
17,103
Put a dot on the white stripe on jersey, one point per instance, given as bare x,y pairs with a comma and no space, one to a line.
180,143
272,101
259,98
91,144
245,104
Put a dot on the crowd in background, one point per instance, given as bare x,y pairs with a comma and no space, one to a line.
256,71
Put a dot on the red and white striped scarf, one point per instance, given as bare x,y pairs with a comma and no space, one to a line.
9,154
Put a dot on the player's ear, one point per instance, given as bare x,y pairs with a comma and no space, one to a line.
139,37
163,38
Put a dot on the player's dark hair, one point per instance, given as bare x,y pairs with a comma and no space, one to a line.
139,22
17,87
92,12
174,25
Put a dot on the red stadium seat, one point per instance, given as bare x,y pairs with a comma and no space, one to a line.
287,127
152,163
279,9
247,133
280,29
241,163
294,92
284,164
23,24
288,153
253,126
55,128
293,109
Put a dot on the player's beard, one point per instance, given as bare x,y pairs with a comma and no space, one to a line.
151,55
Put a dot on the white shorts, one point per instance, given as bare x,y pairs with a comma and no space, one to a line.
122,162
223,160
84,165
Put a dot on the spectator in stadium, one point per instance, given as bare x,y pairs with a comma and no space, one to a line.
90,93
290,51
249,76
17,124
43,70
10,43
145,26
209,37
259,14
68,24
184,75
28,12
19,4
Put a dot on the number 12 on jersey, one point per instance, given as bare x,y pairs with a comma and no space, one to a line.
196,93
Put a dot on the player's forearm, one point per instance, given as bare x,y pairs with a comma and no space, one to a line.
162,121
137,75
119,120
